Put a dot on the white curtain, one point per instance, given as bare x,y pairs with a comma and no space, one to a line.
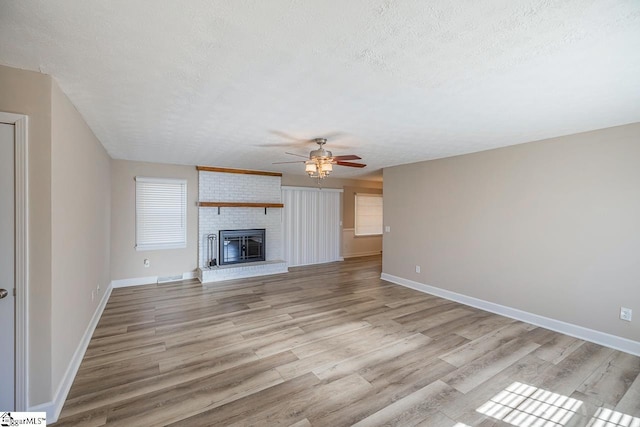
311,225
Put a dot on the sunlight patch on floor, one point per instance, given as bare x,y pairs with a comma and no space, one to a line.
609,418
523,405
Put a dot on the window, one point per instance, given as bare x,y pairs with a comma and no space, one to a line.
161,213
368,214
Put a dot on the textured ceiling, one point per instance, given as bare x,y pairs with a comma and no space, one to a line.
226,83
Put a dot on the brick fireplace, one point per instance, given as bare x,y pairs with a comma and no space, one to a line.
231,200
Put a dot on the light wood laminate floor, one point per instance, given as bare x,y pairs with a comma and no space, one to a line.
335,345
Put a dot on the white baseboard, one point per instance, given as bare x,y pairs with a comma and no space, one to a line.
54,407
149,280
602,338
45,407
137,281
190,275
361,254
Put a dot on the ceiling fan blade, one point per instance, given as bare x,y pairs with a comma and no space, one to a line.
281,163
334,135
278,144
285,135
351,164
299,155
347,157
294,140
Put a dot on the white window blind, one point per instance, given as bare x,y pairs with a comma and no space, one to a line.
368,219
161,213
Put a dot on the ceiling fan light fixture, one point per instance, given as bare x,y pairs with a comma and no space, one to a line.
321,161
310,167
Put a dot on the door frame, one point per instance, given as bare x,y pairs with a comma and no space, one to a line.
20,122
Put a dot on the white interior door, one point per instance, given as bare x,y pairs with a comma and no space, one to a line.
7,266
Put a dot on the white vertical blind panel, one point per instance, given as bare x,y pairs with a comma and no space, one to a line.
368,214
161,207
311,226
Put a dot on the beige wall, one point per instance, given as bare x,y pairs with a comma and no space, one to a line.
126,262
68,221
80,218
29,93
550,227
351,245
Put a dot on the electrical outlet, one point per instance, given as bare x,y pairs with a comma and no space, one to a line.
625,314
146,262
417,269
387,229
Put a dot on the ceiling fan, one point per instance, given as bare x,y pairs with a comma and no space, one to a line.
320,162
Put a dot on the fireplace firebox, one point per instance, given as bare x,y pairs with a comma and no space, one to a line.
240,246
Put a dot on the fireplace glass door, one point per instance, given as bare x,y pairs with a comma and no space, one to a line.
239,246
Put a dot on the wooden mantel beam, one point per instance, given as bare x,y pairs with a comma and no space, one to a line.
240,171
239,205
